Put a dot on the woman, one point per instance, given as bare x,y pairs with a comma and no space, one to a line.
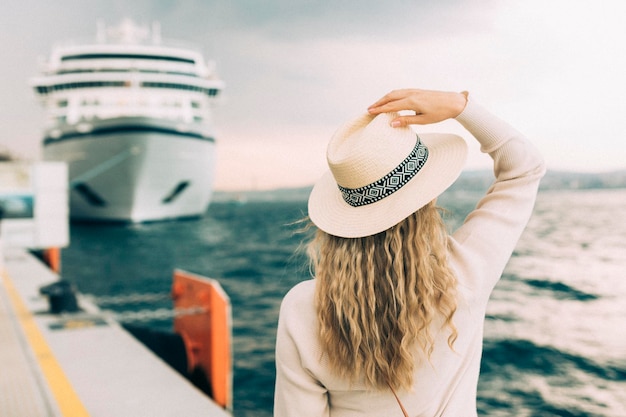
393,321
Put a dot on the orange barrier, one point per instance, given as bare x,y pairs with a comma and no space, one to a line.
52,258
207,336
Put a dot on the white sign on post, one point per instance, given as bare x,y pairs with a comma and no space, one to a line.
34,211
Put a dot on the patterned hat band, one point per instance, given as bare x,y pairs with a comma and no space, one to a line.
391,182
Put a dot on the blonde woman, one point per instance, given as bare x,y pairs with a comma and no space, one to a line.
393,321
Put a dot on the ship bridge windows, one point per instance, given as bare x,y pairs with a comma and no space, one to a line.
178,86
45,89
128,56
125,70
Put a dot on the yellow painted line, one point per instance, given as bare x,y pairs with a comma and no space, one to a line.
66,398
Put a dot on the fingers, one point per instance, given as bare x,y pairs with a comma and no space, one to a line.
429,106
418,119
393,95
396,105
393,101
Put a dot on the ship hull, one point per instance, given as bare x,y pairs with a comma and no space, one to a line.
135,170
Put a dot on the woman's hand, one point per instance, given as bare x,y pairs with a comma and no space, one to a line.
429,106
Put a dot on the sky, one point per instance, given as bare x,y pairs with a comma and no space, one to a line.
295,70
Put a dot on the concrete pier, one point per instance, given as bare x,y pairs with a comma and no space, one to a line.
78,364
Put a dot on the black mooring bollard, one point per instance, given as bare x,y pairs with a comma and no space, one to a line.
61,297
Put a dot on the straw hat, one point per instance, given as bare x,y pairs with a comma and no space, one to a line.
380,175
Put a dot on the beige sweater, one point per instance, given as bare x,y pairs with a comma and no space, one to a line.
480,249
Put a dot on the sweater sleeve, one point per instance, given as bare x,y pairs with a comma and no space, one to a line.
490,232
297,392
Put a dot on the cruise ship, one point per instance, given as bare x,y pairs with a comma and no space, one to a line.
131,116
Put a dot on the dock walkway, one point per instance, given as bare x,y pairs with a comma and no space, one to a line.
79,364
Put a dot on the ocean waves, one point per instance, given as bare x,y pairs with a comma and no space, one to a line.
520,377
560,291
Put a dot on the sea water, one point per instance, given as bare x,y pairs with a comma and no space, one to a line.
555,340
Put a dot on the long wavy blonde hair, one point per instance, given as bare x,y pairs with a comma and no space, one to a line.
377,297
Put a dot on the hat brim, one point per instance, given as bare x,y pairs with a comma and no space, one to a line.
330,213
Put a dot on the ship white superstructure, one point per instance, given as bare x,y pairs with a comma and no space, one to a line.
132,118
